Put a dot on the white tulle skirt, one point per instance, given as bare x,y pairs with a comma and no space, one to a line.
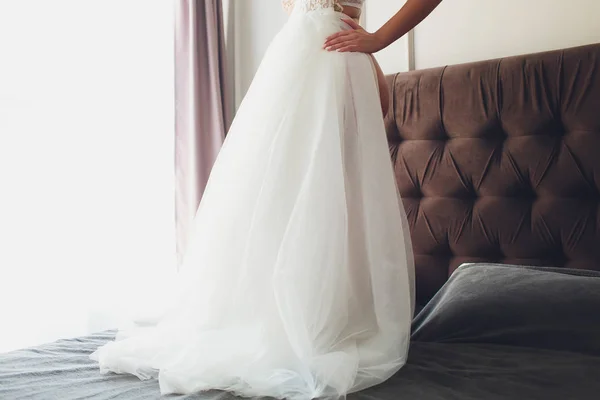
298,282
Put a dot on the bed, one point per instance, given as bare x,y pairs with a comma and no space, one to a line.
498,163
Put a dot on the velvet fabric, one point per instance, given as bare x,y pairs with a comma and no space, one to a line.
499,161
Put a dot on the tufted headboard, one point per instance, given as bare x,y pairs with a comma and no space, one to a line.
499,161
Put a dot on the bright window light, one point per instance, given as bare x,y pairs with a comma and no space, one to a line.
86,163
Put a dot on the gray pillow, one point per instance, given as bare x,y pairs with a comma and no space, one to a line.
549,308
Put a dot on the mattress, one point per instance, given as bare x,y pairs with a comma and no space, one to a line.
435,371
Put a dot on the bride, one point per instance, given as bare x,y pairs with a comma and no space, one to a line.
298,281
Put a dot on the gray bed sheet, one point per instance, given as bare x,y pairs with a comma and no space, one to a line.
435,371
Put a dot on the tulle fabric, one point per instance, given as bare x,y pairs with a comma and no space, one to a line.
298,282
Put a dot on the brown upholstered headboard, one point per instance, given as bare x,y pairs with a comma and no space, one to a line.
499,161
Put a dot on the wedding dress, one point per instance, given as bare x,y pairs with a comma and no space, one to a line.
298,282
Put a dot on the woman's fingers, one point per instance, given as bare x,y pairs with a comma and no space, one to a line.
342,45
340,41
345,40
349,48
338,35
338,45
352,23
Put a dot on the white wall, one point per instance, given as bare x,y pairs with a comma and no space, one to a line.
394,58
471,30
256,23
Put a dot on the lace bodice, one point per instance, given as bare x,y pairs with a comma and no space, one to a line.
307,5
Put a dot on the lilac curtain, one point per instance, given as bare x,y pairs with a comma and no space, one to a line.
202,106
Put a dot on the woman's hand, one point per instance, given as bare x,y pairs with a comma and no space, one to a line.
355,40
359,40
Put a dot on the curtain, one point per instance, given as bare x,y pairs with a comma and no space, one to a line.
203,106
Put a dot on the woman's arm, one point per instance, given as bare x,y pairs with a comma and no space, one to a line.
359,40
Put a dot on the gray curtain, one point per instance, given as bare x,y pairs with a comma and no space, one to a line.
202,104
